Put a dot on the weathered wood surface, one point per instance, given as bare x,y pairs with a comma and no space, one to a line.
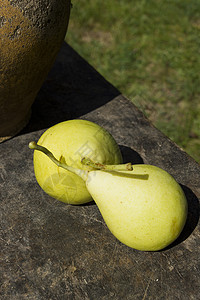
50,250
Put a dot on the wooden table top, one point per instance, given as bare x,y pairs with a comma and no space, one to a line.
50,250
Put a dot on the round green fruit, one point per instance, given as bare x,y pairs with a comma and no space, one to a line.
71,141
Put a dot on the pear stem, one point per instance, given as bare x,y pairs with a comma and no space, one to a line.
81,173
96,165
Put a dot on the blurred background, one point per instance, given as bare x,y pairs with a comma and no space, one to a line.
150,51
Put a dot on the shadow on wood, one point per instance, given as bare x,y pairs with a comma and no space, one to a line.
72,89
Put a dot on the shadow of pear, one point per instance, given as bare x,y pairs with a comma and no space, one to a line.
130,155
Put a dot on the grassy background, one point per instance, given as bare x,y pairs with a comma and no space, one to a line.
149,50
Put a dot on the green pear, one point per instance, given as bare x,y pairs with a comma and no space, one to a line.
70,141
145,208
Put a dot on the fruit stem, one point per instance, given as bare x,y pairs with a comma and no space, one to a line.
82,173
96,165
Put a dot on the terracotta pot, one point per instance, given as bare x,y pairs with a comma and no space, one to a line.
31,34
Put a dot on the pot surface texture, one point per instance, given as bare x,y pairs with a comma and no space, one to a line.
32,32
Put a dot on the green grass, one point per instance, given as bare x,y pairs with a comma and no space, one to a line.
149,50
